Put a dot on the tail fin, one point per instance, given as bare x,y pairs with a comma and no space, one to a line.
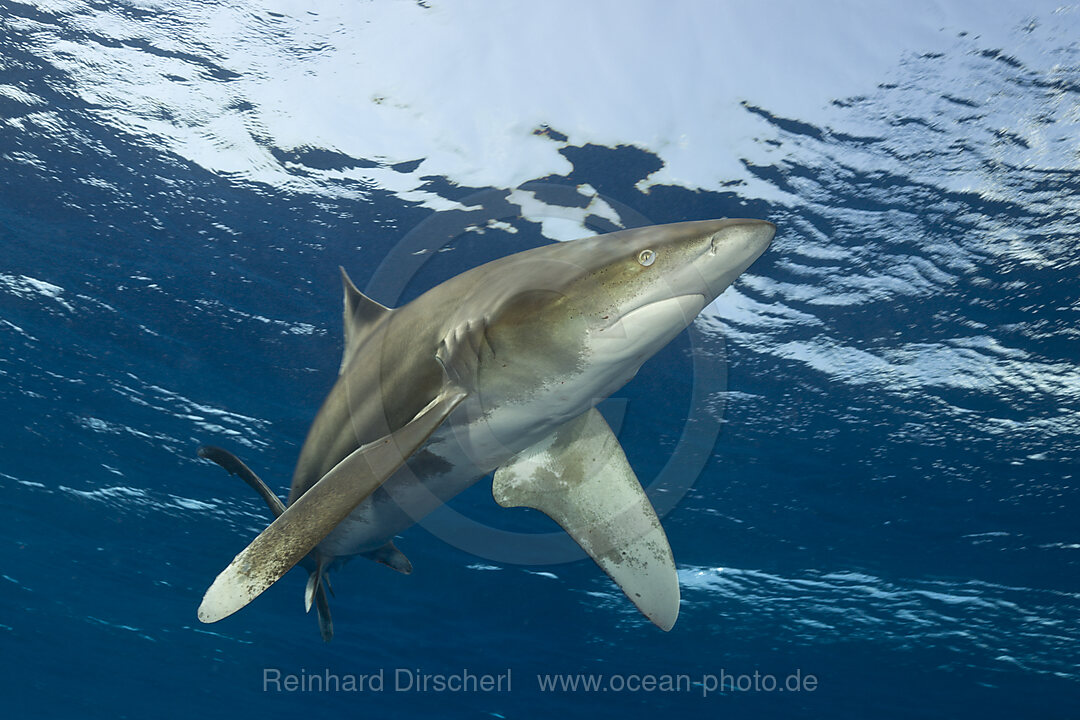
234,466
322,609
316,567
316,591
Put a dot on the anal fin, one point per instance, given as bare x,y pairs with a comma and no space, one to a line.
391,557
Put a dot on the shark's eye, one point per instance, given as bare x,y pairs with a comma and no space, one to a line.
646,257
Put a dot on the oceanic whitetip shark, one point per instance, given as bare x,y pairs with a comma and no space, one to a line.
498,368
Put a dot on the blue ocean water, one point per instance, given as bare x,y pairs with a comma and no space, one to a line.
889,505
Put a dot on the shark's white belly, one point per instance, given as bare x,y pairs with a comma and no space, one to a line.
465,448
483,433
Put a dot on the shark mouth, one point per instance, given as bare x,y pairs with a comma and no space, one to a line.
653,324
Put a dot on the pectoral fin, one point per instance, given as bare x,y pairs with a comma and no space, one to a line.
318,582
311,518
580,478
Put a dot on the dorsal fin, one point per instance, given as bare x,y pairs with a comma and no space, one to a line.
361,314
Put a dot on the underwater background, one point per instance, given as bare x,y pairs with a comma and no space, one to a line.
866,451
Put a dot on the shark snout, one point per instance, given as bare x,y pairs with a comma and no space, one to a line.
749,237
732,249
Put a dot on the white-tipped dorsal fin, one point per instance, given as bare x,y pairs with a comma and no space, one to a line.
580,478
361,315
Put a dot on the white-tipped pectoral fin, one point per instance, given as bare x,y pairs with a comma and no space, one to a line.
580,478
306,522
318,511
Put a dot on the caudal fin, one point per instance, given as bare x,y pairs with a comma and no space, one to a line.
235,466
315,593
